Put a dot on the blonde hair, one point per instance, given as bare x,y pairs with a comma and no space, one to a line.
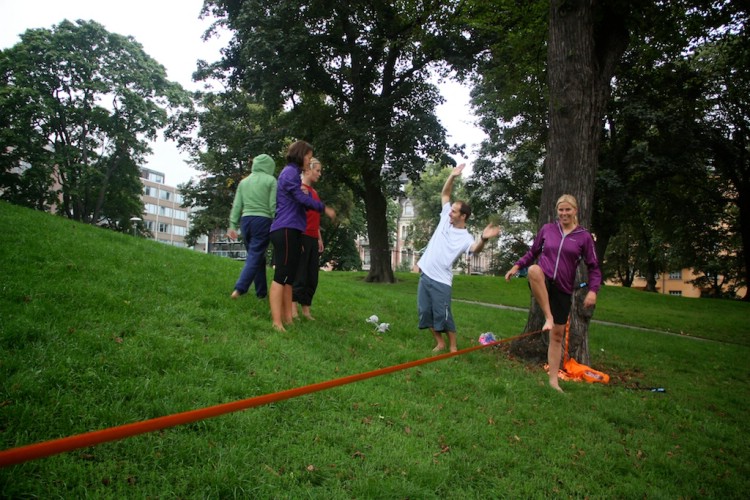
309,171
568,198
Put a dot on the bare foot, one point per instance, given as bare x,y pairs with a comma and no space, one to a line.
555,386
236,294
454,348
438,348
309,316
279,328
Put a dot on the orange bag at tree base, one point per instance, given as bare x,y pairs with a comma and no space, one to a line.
576,370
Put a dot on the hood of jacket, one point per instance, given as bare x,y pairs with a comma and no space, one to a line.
263,164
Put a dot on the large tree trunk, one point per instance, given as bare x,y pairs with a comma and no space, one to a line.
733,161
743,202
381,270
586,40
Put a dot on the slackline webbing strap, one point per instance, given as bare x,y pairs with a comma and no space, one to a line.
13,456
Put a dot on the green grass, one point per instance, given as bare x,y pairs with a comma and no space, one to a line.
99,329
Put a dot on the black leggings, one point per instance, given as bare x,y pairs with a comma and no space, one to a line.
559,303
306,281
286,252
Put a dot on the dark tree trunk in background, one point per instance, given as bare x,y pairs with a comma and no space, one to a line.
381,270
743,202
586,39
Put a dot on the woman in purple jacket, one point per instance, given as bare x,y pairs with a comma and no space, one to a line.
286,229
559,247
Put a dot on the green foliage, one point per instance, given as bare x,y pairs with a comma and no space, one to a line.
656,154
514,241
100,329
340,236
510,98
353,79
79,105
724,64
232,128
670,124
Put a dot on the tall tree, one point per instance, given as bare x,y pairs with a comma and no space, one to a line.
79,105
586,40
726,65
653,131
656,99
510,98
362,70
670,109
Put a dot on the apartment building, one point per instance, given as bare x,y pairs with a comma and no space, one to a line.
164,216
675,283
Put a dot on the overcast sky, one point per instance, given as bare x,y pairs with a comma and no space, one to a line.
170,32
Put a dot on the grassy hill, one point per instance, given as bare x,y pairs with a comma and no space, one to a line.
99,329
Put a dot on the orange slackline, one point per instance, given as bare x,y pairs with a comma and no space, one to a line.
22,454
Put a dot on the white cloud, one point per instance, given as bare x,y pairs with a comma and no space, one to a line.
459,121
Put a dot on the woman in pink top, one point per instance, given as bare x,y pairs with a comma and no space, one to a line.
559,247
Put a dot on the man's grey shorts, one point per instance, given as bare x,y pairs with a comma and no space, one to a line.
434,305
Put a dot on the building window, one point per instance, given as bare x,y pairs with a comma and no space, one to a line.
152,209
165,195
408,209
149,191
180,214
154,177
178,198
163,228
675,275
179,230
165,211
675,292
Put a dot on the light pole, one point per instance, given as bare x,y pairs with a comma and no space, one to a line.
135,221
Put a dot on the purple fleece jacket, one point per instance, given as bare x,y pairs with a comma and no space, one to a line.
559,255
292,202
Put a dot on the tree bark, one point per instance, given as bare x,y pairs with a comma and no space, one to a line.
743,201
381,270
586,39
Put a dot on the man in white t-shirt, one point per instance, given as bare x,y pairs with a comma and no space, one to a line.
448,242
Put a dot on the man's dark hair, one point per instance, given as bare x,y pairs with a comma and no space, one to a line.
297,151
465,209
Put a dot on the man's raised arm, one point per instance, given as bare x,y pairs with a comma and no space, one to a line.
448,186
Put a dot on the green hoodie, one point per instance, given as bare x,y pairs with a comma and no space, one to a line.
256,193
